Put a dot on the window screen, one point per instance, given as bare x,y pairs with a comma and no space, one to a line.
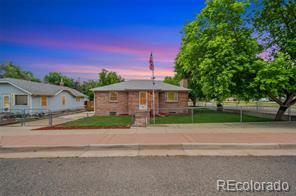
21,100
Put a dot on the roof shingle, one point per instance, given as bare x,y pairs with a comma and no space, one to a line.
36,88
140,85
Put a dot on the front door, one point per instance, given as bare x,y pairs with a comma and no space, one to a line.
143,100
6,103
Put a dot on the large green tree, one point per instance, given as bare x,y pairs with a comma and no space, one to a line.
218,51
171,80
9,70
86,87
56,78
277,79
109,77
105,77
275,23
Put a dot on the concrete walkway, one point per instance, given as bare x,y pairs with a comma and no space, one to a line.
147,139
189,139
264,127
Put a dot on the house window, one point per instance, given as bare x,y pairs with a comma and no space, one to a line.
63,100
113,96
43,101
77,99
112,113
21,99
171,97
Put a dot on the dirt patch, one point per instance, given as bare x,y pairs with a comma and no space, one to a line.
60,127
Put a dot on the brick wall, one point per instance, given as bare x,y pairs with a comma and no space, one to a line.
103,106
177,107
133,102
150,102
128,103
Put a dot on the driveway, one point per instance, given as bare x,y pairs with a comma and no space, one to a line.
58,120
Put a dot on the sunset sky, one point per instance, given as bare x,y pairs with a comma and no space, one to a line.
81,37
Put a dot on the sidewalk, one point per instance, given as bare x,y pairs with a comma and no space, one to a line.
146,139
199,139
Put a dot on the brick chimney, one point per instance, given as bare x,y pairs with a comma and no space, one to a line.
184,83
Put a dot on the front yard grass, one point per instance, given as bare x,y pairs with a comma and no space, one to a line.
100,121
208,116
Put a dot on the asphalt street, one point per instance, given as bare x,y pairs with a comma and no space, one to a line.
141,175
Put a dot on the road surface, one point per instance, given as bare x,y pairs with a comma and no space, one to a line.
141,175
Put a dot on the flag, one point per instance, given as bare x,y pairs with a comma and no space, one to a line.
151,64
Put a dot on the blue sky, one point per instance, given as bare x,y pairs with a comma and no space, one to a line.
79,38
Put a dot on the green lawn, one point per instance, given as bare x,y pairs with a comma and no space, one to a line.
253,104
208,116
100,121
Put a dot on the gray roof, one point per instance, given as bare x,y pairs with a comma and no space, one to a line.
36,88
140,85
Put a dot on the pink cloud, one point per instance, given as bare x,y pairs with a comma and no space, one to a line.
127,72
135,66
141,50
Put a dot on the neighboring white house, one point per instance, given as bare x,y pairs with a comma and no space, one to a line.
21,95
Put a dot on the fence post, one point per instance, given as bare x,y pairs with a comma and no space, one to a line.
241,114
192,119
23,117
289,114
50,118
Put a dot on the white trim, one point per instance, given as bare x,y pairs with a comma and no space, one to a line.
60,92
9,102
31,102
70,92
16,86
94,101
12,99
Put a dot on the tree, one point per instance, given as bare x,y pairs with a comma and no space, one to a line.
56,78
277,79
9,70
218,52
86,87
275,24
105,78
109,77
171,80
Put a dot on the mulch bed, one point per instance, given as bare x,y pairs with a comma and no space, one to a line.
60,127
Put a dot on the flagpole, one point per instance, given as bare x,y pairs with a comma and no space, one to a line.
151,67
153,94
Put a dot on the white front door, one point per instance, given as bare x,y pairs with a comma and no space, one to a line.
6,103
143,100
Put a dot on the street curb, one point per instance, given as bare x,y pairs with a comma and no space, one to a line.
185,146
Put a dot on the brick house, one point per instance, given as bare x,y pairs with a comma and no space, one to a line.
135,96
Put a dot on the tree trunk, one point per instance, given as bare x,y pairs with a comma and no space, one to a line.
194,102
280,113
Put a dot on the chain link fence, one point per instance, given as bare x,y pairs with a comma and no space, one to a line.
224,114
20,117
